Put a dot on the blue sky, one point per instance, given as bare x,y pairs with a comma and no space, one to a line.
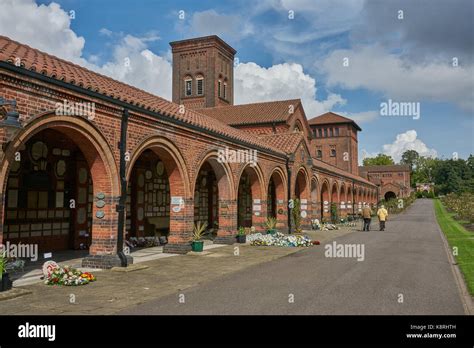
406,57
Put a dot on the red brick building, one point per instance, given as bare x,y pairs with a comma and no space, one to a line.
335,141
60,171
393,181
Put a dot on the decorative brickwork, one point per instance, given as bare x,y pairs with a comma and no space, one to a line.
182,142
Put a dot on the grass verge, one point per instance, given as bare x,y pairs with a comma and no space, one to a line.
460,238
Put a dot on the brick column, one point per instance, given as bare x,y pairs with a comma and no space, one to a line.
282,219
227,222
103,250
259,217
181,227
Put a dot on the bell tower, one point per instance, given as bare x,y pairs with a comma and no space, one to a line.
203,72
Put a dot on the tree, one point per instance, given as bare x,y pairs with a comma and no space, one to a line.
379,160
449,175
410,157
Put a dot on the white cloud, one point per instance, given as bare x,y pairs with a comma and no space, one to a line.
210,22
105,32
44,27
408,141
134,64
403,142
48,29
373,68
254,83
323,18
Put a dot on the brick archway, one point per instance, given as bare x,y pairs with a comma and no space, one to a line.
359,199
334,193
249,193
315,199
302,182
349,199
302,191
102,168
181,210
335,197
325,199
226,207
277,198
342,200
389,195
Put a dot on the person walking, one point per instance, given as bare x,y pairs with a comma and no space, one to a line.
382,214
367,216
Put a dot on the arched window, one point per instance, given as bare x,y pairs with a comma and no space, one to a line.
319,154
298,126
219,84
225,90
333,152
188,86
200,85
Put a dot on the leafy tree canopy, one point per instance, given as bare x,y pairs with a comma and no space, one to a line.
379,160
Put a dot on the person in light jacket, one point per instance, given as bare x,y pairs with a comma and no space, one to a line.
382,214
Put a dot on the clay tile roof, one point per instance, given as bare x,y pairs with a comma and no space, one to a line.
329,167
387,168
331,118
265,112
287,142
59,69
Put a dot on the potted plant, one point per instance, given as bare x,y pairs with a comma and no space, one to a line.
198,233
241,236
296,216
5,282
271,224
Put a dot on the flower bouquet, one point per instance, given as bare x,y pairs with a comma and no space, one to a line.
279,239
68,276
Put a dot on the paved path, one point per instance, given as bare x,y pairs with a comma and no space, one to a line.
408,259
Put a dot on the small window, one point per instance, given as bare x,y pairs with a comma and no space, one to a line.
219,88
200,85
225,90
330,132
333,152
320,132
319,154
188,87
325,132
336,130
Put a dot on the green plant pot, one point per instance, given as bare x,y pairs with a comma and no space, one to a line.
241,238
5,283
197,245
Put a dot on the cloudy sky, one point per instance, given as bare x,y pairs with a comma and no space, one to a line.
346,56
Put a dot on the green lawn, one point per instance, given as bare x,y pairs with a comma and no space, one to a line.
461,238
